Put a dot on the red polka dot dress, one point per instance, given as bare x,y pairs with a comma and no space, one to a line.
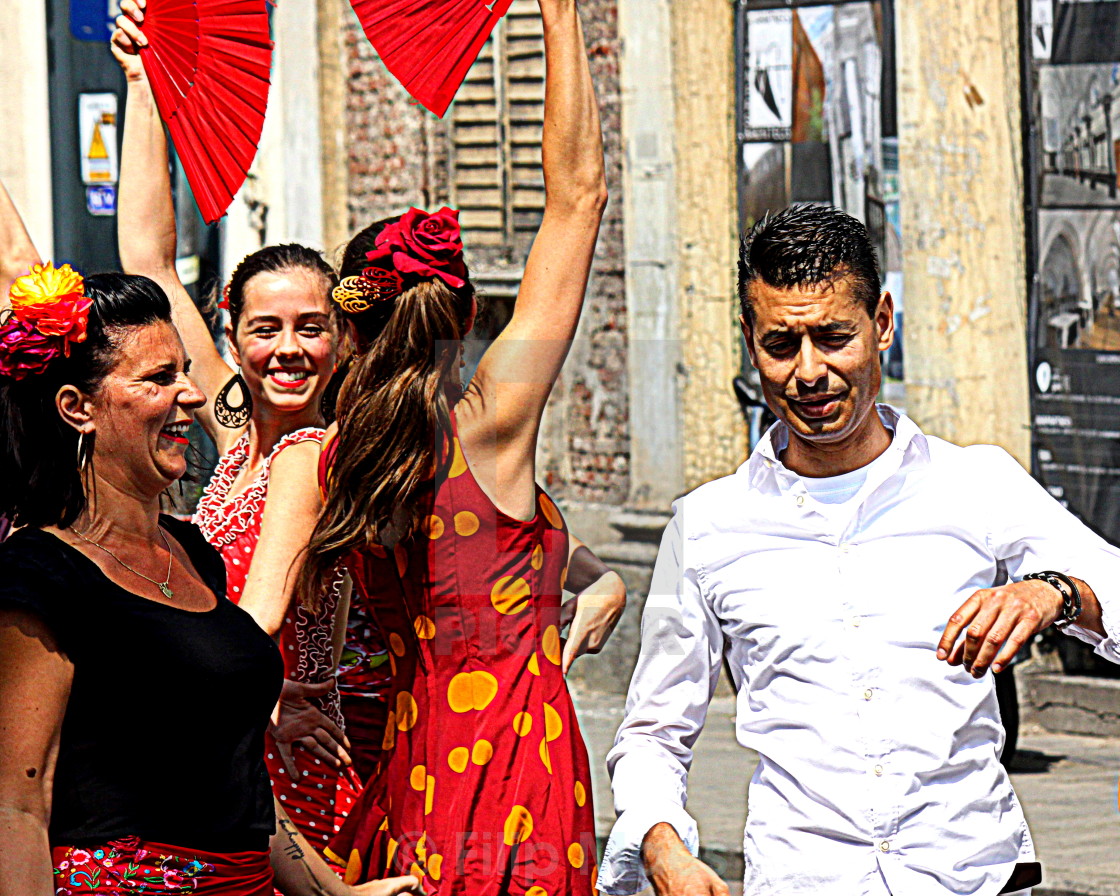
484,786
320,799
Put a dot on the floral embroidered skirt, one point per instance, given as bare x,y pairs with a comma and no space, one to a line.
131,865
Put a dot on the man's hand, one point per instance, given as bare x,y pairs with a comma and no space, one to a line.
298,721
999,621
673,870
593,614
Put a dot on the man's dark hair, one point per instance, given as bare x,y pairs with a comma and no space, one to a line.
808,245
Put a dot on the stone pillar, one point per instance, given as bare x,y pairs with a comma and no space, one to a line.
961,169
334,160
678,86
297,96
650,236
714,438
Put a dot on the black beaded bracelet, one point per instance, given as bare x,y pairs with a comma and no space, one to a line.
1071,597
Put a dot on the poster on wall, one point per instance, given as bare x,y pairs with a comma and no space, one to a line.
1074,188
768,105
817,122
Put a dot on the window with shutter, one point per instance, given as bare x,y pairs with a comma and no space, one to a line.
496,124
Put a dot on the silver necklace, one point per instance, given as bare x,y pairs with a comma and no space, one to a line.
162,586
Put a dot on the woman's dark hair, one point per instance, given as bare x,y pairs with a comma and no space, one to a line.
40,483
809,245
273,260
394,417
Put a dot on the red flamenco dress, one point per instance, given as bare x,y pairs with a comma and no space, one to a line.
484,786
319,801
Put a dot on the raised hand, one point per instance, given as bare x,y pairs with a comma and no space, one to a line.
128,39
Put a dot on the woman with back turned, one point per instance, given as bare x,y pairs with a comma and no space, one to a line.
432,503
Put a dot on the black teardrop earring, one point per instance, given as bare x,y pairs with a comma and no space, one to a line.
229,415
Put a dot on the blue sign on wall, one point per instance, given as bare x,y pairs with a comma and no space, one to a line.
101,200
92,20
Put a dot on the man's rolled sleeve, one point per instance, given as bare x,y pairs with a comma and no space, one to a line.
676,674
1033,532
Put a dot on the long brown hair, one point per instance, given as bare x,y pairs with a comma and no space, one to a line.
394,418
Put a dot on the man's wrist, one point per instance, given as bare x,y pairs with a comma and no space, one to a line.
659,843
1071,607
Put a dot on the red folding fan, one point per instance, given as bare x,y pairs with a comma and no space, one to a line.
208,62
429,45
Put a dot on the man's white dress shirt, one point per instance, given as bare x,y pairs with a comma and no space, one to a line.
879,769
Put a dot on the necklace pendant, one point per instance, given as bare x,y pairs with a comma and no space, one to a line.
167,592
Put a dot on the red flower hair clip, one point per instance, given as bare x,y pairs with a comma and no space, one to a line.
49,313
423,245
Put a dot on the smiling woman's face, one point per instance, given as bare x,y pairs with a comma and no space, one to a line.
142,409
286,341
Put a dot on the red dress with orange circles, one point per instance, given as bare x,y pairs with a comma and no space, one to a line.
484,787
319,801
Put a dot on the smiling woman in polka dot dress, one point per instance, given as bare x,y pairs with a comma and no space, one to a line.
431,502
266,422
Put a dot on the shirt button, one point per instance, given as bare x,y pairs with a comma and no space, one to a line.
884,846
868,694
800,500
855,622
843,549
878,771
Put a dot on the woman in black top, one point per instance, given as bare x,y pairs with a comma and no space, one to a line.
133,696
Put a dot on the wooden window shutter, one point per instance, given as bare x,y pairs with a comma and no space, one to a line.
496,126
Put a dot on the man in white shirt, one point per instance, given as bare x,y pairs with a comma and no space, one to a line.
860,578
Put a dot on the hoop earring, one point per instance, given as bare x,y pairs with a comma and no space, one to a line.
83,453
234,416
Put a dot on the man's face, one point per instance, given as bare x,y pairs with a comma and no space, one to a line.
817,354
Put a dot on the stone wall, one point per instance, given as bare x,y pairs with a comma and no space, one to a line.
397,156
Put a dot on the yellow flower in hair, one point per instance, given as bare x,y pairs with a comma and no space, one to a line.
52,301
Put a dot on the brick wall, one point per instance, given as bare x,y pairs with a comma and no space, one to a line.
398,157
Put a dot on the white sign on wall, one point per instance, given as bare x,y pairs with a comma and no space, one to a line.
97,138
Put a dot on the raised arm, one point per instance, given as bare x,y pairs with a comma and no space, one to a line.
146,218
34,687
17,252
507,395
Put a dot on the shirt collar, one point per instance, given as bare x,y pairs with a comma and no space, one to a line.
764,465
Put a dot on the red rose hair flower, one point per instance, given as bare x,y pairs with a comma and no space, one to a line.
423,245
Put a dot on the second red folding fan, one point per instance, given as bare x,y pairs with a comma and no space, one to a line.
429,45
208,62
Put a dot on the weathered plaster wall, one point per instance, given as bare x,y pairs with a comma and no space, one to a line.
961,169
